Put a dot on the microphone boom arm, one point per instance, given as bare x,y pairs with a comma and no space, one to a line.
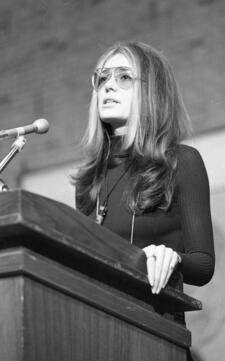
16,147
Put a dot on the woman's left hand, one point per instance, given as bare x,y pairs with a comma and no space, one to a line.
161,262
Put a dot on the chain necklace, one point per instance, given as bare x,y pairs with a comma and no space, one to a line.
101,210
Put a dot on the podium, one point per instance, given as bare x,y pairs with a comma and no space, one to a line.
71,290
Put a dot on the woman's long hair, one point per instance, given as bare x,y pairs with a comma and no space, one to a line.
158,122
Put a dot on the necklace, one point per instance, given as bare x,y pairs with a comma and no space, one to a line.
101,210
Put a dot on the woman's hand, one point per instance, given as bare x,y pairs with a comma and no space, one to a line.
161,262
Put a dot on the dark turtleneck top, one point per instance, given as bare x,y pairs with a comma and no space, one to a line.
186,227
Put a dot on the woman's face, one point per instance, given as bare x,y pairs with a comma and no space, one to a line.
114,101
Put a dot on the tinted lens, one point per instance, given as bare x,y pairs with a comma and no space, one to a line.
124,78
100,77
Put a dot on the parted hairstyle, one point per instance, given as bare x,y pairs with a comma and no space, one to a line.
157,123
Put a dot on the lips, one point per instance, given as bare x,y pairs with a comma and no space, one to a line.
110,101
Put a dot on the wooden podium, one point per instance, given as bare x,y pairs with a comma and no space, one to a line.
71,290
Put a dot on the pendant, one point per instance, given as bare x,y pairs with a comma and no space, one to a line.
101,214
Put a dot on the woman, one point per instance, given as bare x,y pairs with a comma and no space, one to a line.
137,179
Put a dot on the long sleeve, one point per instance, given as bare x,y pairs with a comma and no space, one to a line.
198,258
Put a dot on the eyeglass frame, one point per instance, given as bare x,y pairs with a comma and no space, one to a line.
112,73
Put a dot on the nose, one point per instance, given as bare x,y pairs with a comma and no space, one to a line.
111,84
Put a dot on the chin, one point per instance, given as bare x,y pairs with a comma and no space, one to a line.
114,122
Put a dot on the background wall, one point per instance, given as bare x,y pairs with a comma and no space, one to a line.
48,50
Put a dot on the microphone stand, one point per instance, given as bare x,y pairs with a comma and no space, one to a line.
16,147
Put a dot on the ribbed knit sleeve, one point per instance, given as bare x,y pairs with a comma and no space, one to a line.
198,258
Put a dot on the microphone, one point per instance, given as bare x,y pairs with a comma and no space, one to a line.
39,126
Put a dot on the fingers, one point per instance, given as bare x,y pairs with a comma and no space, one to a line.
151,260
174,261
161,262
165,258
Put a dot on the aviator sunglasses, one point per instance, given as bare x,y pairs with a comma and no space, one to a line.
123,76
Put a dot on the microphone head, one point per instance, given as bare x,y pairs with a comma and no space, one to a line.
41,126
